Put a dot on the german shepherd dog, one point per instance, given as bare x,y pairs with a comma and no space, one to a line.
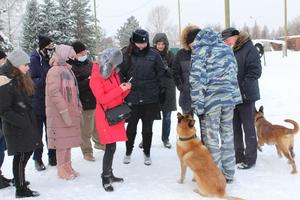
193,154
280,136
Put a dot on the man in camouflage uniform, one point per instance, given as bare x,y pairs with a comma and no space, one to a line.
214,94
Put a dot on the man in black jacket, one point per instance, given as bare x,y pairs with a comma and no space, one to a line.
249,71
82,69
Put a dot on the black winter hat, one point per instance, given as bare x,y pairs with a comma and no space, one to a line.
140,36
191,35
44,41
228,32
2,55
78,46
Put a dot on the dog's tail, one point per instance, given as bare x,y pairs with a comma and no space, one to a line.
295,124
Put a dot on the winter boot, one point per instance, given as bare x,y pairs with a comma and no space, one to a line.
106,183
147,160
167,144
39,165
64,173
127,159
70,169
3,182
114,179
52,161
141,145
22,192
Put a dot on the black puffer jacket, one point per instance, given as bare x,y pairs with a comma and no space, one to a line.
147,69
18,118
167,81
82,71
249,67
181,72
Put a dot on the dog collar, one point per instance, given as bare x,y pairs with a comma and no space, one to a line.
259,118
188,138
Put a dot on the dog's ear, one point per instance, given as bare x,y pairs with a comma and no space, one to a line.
261,109
179,116
191,123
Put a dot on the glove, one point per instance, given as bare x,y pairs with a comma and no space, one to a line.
66,117
162,95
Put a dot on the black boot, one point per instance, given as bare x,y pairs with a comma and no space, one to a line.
39,165
106,183
52,161
3,182
114,179
22,192
14,184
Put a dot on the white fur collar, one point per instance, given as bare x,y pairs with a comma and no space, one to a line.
4,80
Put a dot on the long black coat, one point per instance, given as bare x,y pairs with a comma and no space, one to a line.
249,68
18,118
82,71
181,71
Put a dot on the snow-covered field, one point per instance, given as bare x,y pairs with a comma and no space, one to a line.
270,179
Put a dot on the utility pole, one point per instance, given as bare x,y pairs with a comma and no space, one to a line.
285,30
179,19
227,13
96,28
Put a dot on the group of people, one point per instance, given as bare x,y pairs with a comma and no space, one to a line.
216,74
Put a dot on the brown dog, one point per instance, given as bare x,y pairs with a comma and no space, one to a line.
192,153
282,137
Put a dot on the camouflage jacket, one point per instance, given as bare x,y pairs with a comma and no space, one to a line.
213,76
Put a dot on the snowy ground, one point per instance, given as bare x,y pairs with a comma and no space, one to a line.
270,179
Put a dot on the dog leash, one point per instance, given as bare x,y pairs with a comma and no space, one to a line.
188,138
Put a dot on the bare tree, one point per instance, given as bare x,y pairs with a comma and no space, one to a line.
158,20
265,33
255,32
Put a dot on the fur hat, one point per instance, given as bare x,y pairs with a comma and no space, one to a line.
109,58
18,57
139,36
78,46
2,55
160,37
229,32
44,41
188,35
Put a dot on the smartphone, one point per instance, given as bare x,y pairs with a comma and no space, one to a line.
129,81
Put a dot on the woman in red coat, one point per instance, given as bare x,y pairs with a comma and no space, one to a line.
109,92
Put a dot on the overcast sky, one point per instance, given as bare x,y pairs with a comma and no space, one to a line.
113,13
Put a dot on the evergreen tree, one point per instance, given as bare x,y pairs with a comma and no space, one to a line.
5,44
125,31
31,26
64,23
49,20
83,28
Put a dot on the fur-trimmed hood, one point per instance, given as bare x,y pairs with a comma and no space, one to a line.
161,37
184,36
242,39
108,60
4,80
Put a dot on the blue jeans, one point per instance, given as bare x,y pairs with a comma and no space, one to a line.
37,154
166,126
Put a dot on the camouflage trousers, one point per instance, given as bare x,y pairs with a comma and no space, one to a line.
217,131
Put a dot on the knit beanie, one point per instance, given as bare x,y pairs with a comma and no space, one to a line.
44,41
191,35
140,36
18,57
229,32
2,55
109,58
78,46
